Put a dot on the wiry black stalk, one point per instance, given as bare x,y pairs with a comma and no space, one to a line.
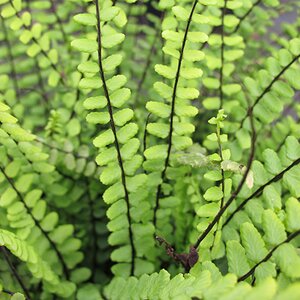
283,115
81,76
37,224
283,141
113,128
8,292
15,272
53,66
268,256
239,24
260,189
268,88
246,15
170,136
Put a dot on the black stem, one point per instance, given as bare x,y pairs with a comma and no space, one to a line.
246,15
59,255
53,66
283,141
239,24
113,127
15,272
8,292
163,173
268,88
260,189
268,256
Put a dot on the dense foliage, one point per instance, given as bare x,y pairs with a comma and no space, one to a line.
188,113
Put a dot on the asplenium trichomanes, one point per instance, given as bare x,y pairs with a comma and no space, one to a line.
187,111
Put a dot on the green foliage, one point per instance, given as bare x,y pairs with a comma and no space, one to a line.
149,150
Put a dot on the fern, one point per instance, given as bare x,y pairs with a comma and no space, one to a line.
149,150
121,174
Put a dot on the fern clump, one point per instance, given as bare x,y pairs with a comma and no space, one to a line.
149,150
